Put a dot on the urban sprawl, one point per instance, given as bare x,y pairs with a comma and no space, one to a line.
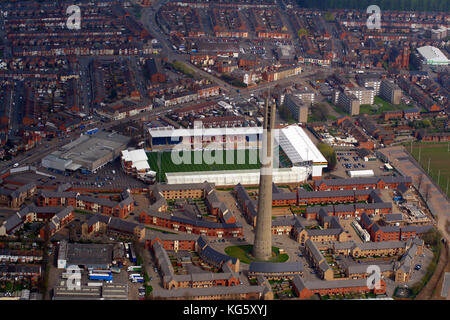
233,149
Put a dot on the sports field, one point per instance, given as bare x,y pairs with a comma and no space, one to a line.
438,156
167,162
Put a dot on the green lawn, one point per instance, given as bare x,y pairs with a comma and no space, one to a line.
439,160
167,164
381,106
242,253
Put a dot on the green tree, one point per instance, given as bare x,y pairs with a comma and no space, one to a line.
329,154
302,33
286,114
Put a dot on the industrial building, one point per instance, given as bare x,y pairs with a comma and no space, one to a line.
96,256
88,153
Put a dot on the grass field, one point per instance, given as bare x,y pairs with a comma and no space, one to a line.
439,160
242,253
167,164
381,106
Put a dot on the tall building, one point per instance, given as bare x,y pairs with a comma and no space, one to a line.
348,101
364,95
262,248
370,81
391,92
297,107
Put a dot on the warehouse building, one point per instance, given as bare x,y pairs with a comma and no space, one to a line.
88,153
96,256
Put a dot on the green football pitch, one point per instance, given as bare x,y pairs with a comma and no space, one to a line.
438,156
195,161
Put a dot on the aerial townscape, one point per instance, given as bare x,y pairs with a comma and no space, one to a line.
224,150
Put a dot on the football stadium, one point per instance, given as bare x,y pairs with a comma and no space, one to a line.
227,156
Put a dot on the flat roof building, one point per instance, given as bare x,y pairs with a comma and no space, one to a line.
88,153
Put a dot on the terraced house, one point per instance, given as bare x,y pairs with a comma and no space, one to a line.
116,208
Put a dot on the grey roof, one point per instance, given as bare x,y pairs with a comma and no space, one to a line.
272,267
325,194
241,192
360,181
163,260
198,223
215,257
344,208
284,221
185,186
315,252
373,206
89,254
202,276
122,225
170,236
385,229
402,188
324,232
381,245
55,194
366,221
316,209
93,219
393,217
189,293
324,266
19,268
358,268
284,196
346,245
323,284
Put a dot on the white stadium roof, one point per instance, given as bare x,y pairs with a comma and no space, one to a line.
171,132
433,55
137,157
298,146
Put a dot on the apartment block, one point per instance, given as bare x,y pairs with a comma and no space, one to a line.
297,107
390,92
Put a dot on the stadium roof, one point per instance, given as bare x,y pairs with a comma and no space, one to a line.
137,157
298,146
433,55
171,132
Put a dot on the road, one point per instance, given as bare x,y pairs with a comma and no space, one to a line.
149,21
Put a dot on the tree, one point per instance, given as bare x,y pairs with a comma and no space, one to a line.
286,114
320,111
432,237
302,33
113,94
329,154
